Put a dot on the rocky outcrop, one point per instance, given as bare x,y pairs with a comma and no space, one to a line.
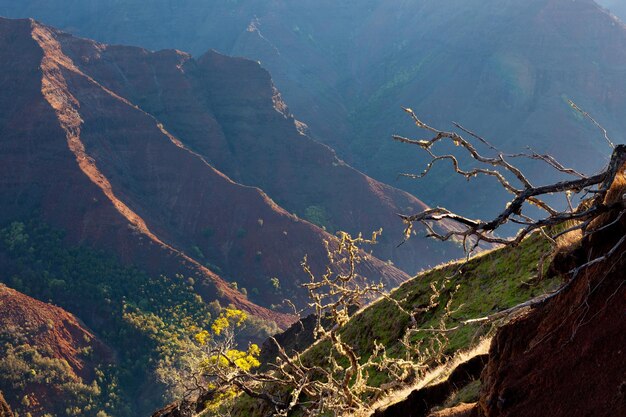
567,357
421,401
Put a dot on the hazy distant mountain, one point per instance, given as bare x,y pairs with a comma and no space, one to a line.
503,68
617,7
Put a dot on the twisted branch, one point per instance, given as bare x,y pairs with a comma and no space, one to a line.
512,180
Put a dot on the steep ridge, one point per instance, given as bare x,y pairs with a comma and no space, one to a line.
137,182
469,292
228,111
560,352
564,356
59,331
39,171
506,68
48,336
617,7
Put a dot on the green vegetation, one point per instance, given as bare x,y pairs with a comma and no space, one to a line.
319,217
275,283
152,322
148,320
24,366
488,283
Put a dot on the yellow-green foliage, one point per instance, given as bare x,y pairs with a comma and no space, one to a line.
214,405
244,360
220,358
227,318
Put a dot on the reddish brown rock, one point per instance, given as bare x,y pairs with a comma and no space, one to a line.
229,112
93,163
568,357
51,328
59,340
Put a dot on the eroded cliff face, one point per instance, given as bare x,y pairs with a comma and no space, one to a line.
568,357
49,167
229,112
78,150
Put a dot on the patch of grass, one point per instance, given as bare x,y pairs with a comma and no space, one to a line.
467,394
486,284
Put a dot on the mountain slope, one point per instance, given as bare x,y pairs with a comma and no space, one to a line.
48,357
616,7
487,284
228,111
558,352
572,347
94,164
506,69
46,164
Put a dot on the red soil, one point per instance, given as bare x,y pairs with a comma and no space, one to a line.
51,329
568,357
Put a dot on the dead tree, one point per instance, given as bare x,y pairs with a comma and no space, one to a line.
594,194
335,383
514,181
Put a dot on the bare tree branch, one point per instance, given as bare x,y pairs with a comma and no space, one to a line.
524,192
588,116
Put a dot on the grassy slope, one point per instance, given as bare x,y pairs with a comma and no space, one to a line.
488,283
